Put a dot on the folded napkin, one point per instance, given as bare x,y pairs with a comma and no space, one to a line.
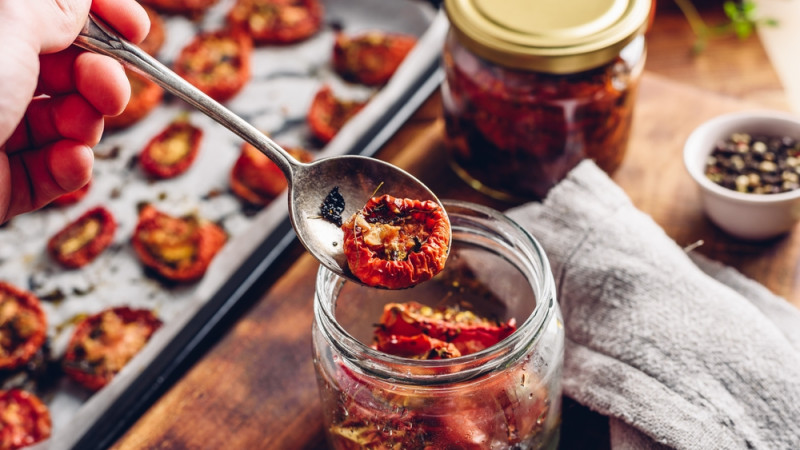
677,350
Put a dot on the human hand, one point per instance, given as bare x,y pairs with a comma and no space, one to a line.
53,96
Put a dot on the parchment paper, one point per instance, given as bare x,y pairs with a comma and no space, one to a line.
284,81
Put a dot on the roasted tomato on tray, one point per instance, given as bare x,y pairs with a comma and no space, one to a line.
396,242
370,58
178,249
23,326
24,419
102,344
73,197
185,7
256,179
81,241
217,63
145,96
172,151
328,113
277,21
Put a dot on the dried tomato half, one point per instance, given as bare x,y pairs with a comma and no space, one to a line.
103,343
145,96
372,57
277,21
328,113
178,249
256,179
187,7
172,151
24,419
217,63
23,326
79,243
155,38
465,330
396,243
73,197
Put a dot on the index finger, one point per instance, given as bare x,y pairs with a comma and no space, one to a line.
127,17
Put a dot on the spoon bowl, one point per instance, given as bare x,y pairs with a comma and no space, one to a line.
357,177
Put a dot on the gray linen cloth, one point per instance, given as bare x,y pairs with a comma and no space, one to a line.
677,350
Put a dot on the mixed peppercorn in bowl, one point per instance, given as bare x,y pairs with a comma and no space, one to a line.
747,165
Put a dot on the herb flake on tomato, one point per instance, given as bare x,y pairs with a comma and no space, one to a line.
102,344
23,326
256,179
217,63
82,240
277,21
328,113
172,151
177,249
396,243
24,419
370,58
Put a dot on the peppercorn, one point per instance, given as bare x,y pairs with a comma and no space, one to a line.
756,164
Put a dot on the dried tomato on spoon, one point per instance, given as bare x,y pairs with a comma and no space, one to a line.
396,243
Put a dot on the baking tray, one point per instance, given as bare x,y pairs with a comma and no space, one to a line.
193,314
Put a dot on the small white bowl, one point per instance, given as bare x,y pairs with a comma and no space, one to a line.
744,215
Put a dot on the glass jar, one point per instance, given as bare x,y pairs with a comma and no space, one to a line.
505,396
532,88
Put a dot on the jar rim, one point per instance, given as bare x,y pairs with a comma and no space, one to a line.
443,371
554,42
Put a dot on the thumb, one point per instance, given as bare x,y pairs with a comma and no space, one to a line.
48,25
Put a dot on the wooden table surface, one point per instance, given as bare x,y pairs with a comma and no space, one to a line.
255,386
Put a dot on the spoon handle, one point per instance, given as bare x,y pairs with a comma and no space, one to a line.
100,38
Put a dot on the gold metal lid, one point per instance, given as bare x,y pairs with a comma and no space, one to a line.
555,36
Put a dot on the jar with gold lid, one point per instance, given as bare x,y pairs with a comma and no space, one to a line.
532,88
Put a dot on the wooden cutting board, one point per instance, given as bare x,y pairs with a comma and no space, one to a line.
256,388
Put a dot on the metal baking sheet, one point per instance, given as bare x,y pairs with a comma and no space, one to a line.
276,99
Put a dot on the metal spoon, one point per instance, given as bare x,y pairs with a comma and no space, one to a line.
357,177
